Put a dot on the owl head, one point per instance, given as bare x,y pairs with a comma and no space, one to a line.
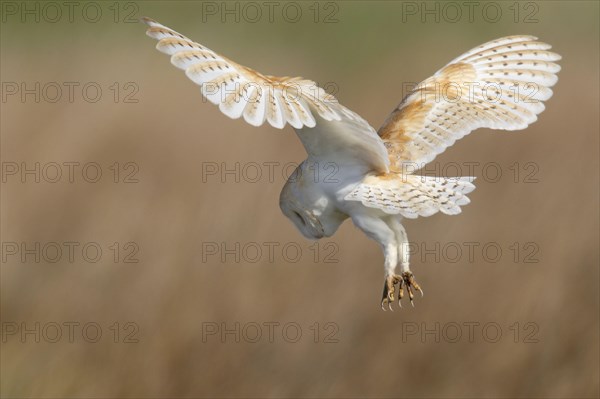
303,202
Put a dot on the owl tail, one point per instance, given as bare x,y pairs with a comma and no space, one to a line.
413,195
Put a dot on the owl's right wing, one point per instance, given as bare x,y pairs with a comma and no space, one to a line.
501,84
329,131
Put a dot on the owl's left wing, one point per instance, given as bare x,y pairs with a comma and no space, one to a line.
328,130
501,84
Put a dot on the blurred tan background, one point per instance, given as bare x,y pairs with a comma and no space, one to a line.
547,312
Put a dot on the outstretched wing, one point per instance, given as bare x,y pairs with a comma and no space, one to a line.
328,130
412,195
501,84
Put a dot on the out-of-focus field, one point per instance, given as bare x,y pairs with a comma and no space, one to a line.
177,291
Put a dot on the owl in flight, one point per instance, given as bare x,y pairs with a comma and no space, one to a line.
501,84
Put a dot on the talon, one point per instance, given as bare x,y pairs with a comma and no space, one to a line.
408,279
405,280
417,287
400,289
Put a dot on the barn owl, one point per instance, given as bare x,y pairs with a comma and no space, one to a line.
501,84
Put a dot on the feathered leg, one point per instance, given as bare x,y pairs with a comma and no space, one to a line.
406,277
390,234
377,229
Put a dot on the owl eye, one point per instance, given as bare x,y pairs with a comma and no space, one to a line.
299,217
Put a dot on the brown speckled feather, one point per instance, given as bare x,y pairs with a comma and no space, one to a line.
500,85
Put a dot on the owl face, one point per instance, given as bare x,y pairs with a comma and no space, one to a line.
313,214
305,221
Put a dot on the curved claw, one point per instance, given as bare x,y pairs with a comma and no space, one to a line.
388,301
389,305
408,280
418,288
405,280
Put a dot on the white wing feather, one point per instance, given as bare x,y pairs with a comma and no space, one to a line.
242,92
412,195
501,84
